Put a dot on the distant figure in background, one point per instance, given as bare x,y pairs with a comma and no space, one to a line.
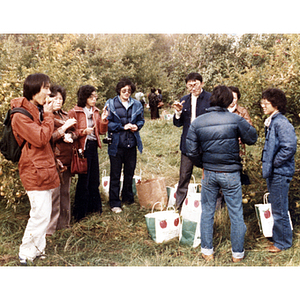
278,165
153,103
140,97
62,144
160,102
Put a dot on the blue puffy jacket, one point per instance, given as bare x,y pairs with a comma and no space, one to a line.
280,147
216,134
115,126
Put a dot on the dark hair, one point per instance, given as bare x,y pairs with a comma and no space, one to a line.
235,90
193,76
153,90
276,97
83,94
122,83
159,90
33,84
58,89
221,96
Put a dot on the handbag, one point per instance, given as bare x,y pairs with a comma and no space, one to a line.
190,214
162,225
79,162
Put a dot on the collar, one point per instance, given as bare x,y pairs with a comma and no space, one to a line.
269,119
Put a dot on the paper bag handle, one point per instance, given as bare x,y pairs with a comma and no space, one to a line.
266,198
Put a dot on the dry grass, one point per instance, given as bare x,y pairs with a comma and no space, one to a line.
123,240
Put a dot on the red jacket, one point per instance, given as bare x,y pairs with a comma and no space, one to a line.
100,125
36,165
61,149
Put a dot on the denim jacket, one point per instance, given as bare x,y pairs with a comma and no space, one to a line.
115,126
280,147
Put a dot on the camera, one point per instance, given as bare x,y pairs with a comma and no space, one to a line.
107,140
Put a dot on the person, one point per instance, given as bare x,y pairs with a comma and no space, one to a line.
153,102
216,135
37,167
140,97
62,144
186,110
125,120
278,164
90,124
160,102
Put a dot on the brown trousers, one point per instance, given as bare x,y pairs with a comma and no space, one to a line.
61,211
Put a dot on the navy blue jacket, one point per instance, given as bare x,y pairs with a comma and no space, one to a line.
203,102
280,147
216,134
117,120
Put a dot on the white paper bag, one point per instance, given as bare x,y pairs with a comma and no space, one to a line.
162,225
265,217
189,233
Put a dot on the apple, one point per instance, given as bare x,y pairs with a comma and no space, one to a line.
105,183
175,195
245,200
186,201
267,214
176,222
163,224
196,203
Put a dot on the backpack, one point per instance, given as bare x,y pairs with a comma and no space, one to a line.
9,147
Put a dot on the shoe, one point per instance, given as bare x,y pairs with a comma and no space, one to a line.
116,210
23,261
236,260
208,257
41,256
273,249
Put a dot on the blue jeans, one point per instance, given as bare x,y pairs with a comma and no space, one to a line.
232,190
278,187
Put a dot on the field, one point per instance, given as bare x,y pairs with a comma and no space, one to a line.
123,240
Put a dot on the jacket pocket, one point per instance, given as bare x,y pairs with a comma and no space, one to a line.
45,172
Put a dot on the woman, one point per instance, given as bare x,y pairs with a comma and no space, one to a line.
278,165
126,118
90,124
62,144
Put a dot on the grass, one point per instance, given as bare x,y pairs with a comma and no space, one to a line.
123,239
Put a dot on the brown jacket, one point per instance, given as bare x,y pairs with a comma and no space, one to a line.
61,149
100,126
37,165
243,112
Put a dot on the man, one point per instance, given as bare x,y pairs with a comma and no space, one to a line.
216,135
186,111
37,167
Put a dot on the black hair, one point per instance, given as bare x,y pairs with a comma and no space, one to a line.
153,90
193,76
33,84
58,89
276,97
235,90
221,96
83,94
124,82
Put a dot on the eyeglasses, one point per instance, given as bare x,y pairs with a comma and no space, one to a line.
265,103
126,91
190,86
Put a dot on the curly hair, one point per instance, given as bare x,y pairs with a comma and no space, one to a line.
58,89
83,94
276,97
124,82
221,96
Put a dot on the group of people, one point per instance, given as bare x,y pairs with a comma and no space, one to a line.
52,136
215,128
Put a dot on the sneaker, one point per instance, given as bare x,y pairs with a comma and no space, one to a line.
24,261
116,210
